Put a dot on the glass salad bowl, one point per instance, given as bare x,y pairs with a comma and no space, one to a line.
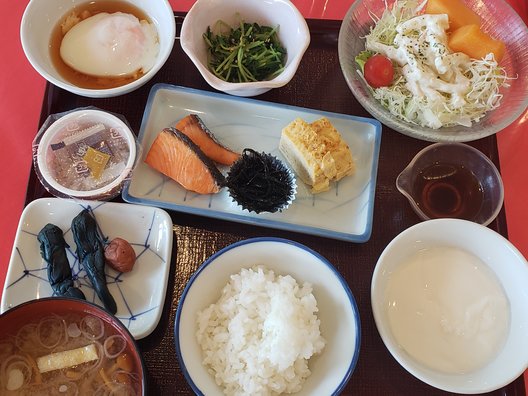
498,19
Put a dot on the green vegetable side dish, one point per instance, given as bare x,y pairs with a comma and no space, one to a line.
249,53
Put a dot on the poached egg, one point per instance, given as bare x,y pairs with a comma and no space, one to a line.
110,45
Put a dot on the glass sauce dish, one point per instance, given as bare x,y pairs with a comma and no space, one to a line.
452,180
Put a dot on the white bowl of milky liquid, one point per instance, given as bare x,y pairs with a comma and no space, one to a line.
449,299
98,49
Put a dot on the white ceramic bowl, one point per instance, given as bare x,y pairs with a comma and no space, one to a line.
293,34
338,313
40,18
505,262
498,18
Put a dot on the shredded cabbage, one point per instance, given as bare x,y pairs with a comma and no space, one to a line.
485,77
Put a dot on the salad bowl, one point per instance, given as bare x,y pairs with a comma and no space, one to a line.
498,19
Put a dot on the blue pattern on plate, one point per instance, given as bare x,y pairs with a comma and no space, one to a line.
344,212
151,230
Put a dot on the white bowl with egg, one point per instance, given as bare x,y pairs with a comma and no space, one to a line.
337,311
449,299
293,34
116,50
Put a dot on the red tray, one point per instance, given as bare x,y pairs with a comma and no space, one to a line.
319,84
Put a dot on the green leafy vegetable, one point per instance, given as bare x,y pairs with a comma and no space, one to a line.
90,253
362,58
53,251
248,53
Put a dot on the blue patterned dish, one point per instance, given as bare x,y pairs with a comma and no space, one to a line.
139,294
344,212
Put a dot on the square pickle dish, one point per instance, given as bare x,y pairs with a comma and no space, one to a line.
139,294
344,212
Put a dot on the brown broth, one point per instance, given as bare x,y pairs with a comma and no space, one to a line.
86,377
84,80
445,190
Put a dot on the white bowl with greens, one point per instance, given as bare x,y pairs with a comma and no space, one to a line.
497,18
262,69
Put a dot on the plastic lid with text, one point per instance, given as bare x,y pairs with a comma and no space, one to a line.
86,153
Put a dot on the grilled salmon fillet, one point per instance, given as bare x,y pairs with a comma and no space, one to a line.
175,155
196,130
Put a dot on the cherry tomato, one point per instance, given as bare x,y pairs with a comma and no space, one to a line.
378,71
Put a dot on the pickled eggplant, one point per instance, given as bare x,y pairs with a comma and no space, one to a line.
53,251
90,251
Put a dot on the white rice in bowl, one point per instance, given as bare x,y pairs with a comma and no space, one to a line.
257,338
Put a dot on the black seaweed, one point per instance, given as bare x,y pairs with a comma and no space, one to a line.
260,182
53,251
90,252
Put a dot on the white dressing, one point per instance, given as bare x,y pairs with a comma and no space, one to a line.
433,86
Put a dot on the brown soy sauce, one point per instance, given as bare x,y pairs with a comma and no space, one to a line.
447,190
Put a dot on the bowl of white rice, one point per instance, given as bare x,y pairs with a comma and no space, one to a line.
267,316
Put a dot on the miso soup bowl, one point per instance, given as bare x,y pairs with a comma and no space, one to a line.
34,311
41,17
500,260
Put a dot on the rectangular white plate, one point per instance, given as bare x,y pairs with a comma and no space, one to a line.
344,212
139,294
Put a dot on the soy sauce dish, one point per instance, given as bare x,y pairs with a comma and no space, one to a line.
452,180
449,301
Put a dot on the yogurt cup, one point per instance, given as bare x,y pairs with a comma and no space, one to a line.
85,154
